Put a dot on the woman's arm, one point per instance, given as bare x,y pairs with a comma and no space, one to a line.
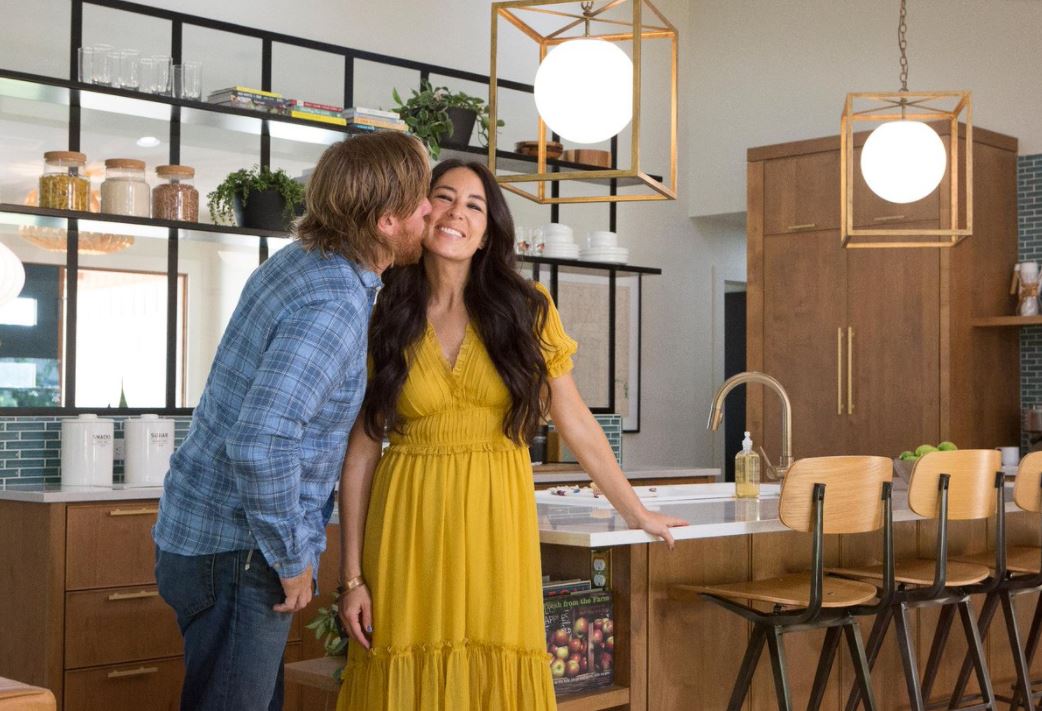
356,478
586,439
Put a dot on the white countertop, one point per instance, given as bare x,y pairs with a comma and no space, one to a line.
633,474
58,494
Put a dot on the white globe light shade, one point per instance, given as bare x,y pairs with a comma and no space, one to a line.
12,275
584,90
903,161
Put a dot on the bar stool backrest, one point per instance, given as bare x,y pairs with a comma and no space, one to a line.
971,485
853,487
1026,491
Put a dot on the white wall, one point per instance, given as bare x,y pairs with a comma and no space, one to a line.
767,72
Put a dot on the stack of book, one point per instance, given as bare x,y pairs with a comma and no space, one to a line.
243,97
557,588
311,111
374,119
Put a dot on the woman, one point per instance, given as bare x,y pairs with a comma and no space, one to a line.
443,586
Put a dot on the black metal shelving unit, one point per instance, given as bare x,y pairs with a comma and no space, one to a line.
75,95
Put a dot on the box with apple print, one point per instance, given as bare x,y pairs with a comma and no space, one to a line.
580,638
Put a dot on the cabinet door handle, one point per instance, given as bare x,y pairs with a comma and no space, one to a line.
140,671
850,370
808,226
145,511
889,218
839,371
134,595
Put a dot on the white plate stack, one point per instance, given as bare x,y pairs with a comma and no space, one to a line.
558,242
603,246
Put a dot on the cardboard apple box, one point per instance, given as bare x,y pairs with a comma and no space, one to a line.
580,640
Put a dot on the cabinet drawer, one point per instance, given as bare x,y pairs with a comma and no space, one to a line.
110,545
155,685
801,193
118,625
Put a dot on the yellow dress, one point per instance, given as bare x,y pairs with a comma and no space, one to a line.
451,549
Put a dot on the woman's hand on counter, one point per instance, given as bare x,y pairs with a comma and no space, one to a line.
658,525
355,609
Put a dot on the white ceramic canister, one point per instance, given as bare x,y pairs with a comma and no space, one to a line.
149,442
87,451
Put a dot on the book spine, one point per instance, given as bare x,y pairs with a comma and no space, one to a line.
375,113
318,108
379,123
308,116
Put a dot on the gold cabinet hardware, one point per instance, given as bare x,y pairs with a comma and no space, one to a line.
889,218
144,511
134,595
808,226
850,370
839,371
140,671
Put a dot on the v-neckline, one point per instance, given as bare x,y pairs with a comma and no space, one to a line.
453,367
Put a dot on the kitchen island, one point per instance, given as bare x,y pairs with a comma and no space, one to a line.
83,619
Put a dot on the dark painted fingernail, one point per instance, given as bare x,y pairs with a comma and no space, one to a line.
369,629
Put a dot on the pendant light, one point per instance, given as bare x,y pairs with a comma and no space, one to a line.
904,159
587,89
582,88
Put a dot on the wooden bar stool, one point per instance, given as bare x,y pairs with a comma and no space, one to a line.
961,485
834,495
1022,574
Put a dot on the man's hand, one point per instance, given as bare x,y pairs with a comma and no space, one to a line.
298,592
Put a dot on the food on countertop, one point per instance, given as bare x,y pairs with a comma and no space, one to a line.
911,456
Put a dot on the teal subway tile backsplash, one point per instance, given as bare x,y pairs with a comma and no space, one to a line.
1029,212
612,426
30,448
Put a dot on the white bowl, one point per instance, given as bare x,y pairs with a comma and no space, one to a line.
558,238
554,228
602,238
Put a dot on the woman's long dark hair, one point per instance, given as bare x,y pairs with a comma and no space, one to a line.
507,311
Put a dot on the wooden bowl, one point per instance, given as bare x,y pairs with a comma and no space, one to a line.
531,148
588,156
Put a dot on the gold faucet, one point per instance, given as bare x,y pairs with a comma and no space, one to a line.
716,415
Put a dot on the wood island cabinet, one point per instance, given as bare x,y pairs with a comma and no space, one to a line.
876,347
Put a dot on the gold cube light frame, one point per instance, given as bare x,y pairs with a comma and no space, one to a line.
513,11
917,106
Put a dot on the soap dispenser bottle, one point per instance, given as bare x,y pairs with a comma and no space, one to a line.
747,471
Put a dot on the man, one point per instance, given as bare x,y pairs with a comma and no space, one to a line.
244,508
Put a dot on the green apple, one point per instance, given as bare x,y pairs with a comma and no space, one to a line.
906,455
924,449
947,447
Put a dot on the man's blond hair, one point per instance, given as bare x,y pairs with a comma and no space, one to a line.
356,182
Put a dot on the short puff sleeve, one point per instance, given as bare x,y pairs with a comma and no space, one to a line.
558,347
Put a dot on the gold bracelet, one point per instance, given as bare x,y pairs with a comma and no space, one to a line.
355,582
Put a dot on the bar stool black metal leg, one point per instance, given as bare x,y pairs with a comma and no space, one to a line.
1019,659
781,680
745,674
861,673
940,641
1031,647
904,642
969,624
875,643
825,661
987,613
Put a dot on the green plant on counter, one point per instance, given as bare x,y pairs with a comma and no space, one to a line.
256,179
328,629
426,113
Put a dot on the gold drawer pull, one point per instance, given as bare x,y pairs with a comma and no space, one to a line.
808,226
134,595
889,218
140,671
144,511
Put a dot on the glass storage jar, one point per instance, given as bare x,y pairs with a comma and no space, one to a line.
63,185
125,191
174,198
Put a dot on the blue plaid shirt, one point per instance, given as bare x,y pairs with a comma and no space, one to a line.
267,440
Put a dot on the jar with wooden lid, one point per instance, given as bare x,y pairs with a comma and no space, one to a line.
63,185
125,191
174,197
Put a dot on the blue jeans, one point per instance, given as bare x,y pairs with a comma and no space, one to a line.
234,641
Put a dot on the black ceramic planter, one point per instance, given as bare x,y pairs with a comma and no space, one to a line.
264,210
462,126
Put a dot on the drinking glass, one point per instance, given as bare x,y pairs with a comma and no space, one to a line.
536,242
129,69
147,74
161,83
103,66
188,80
86,65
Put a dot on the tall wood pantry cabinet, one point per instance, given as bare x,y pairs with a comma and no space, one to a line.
876,347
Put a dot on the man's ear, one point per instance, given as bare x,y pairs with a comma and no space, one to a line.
387,224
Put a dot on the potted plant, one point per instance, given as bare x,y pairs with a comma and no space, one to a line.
436,116
256,197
